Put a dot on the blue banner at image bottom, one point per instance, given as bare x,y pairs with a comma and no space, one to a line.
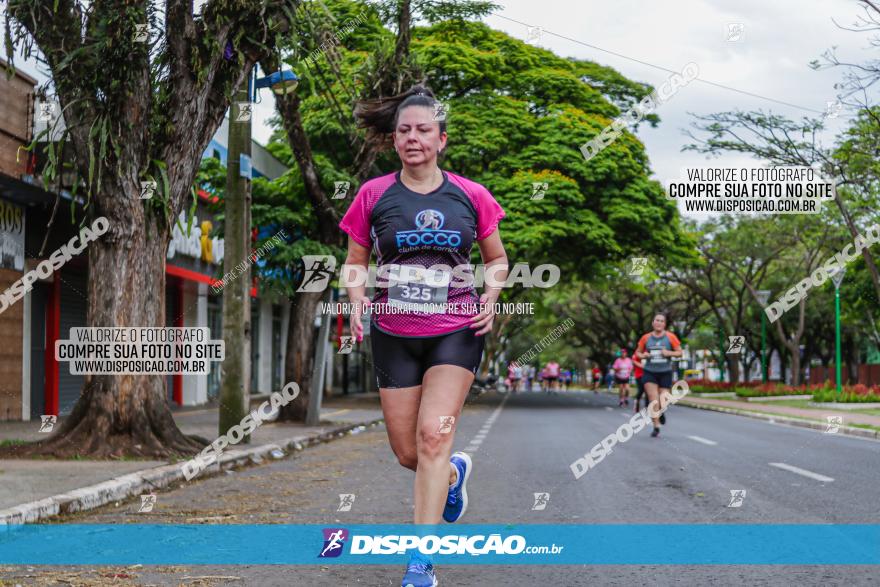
354,544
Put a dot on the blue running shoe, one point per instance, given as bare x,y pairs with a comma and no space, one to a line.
419,572
457,500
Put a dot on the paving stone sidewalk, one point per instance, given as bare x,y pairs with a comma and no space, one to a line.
34,480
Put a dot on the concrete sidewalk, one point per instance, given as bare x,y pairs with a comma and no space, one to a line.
28,482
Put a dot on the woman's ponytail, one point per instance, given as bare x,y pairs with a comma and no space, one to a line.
379,116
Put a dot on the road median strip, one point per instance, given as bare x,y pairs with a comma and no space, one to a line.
148,480
790,420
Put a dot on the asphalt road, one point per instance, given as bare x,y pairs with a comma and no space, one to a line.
683,477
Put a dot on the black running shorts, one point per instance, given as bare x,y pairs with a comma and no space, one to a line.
402,361
663,380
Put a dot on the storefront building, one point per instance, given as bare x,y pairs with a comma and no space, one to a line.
32,382
17,201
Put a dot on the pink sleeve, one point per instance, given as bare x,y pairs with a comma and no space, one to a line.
356,221
489,212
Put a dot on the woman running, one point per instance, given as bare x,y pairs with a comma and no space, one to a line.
427,352
656,350
530,377
597,377
623,366
514,374
638,373
551,370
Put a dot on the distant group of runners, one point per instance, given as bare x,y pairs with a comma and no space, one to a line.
551,378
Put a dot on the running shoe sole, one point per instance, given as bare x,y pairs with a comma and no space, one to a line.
467,473
434,584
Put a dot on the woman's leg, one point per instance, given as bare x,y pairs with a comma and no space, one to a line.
400,407
653,403
444,389
640,391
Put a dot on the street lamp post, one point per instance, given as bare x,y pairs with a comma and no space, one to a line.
235,383
837,278
235,386
721,349
763,296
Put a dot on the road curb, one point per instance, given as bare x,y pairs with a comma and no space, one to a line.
148,480
811,424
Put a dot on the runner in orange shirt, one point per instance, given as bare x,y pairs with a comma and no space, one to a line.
656,350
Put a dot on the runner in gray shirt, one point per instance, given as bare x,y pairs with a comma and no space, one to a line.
656,349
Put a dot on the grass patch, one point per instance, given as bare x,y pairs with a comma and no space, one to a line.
865,426
794,403
805,404
12,442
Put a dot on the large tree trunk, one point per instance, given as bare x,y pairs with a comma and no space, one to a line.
119,415
852,359
300,353
794,351
749,363
795,366
733,368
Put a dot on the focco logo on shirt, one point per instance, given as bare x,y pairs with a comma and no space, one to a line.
429,224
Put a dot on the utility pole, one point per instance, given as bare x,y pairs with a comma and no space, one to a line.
722,350
837,278
235,381
313,415
763,298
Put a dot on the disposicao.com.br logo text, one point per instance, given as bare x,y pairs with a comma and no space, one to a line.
476,545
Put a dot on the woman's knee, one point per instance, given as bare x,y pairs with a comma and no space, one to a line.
433,443
408,459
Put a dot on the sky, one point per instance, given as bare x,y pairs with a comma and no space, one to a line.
770,57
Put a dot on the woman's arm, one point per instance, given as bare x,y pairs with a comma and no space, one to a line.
358,256
495,264
676,352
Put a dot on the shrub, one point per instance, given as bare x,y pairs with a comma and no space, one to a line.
849,394
767,389
854,393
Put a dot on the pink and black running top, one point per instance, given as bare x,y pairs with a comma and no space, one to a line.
433,231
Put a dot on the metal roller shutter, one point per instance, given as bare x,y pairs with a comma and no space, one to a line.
171,314
74,310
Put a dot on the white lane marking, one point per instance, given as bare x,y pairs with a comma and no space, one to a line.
609,409
477,440
703,440
803,472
